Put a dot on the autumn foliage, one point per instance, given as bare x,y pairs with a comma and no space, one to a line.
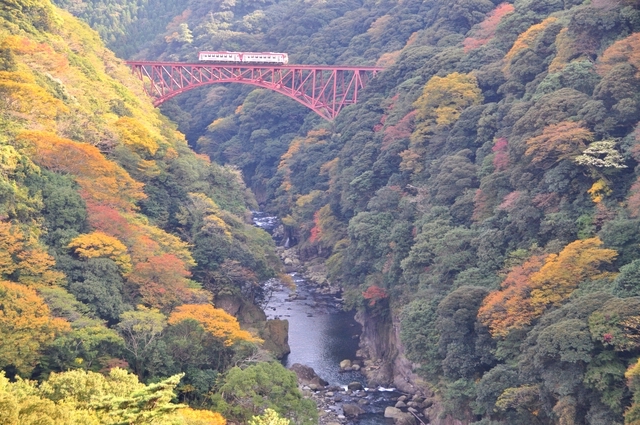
539,283
24,260
560,141
485,31
216,321
26,326
102,181
622,51
98,244
162,281
526,40
373,294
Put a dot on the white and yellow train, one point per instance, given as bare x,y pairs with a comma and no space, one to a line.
244,57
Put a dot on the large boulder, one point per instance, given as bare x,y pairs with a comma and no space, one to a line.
399,417
307,376
355,386
276,337
392,412
352,410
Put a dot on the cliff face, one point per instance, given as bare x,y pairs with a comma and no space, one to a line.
386,362
274,332
386,365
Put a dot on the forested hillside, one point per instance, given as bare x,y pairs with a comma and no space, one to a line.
483,198
115,238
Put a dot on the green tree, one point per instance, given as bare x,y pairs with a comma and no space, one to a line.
248,392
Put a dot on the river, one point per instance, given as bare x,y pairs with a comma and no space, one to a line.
321,335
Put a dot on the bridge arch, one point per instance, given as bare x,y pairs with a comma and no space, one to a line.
323,89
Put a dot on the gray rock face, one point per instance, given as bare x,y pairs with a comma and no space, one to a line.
352,410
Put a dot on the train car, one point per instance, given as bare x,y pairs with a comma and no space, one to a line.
226,57
244,57
265,57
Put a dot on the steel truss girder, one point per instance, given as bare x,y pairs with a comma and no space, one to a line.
323,89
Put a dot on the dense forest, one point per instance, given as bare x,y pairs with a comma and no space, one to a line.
480,205
115,237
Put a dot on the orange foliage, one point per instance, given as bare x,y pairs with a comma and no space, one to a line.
102,181
315,230
41,55
374,294
388,59
26,326
557,142
487,28
23,260
622,51
528,290
565,51
526,40
163,282
216,321
508,308
108,220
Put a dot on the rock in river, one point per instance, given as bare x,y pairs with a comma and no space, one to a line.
352,410
307,376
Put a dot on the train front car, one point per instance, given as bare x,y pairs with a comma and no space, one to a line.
220,57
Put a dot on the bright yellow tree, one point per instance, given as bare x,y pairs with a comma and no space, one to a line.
98,244
24,260
216,321
26,326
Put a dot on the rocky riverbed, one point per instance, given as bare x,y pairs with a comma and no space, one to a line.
348,404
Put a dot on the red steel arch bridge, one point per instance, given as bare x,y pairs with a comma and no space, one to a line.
323,89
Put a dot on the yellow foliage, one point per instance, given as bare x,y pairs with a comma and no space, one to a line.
444,98
20,93
24,260
200,417
562,273
136,136
98,244
26,326
442,101
216,321
598,190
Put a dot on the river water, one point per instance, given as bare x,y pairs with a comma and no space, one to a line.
321,335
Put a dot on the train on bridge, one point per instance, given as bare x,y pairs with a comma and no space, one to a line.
244,57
